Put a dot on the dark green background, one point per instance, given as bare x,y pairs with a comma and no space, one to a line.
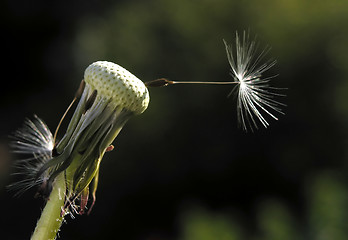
183,170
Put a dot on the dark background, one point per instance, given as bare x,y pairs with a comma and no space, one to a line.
182,169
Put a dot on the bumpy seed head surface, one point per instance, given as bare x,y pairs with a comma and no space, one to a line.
114,82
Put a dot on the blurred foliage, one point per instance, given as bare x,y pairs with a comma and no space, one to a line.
198,224
326,201
275,221
286,182
327,197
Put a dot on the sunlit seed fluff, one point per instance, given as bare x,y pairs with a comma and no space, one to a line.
114,82
35,141
256,97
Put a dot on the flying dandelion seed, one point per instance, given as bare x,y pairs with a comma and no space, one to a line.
255,96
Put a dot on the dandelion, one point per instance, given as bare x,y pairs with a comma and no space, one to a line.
255,96
110,96
67,171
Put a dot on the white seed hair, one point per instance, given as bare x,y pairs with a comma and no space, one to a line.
35,141
255,95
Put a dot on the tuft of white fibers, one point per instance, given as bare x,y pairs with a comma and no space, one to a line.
256,97
34,141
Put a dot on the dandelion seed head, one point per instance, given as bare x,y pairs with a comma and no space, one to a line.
107,98
113,81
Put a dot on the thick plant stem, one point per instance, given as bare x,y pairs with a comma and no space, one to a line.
50,221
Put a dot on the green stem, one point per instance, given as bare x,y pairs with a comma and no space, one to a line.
50,221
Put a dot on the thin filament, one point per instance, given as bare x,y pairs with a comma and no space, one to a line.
77,95
163,82
61,120
210,83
